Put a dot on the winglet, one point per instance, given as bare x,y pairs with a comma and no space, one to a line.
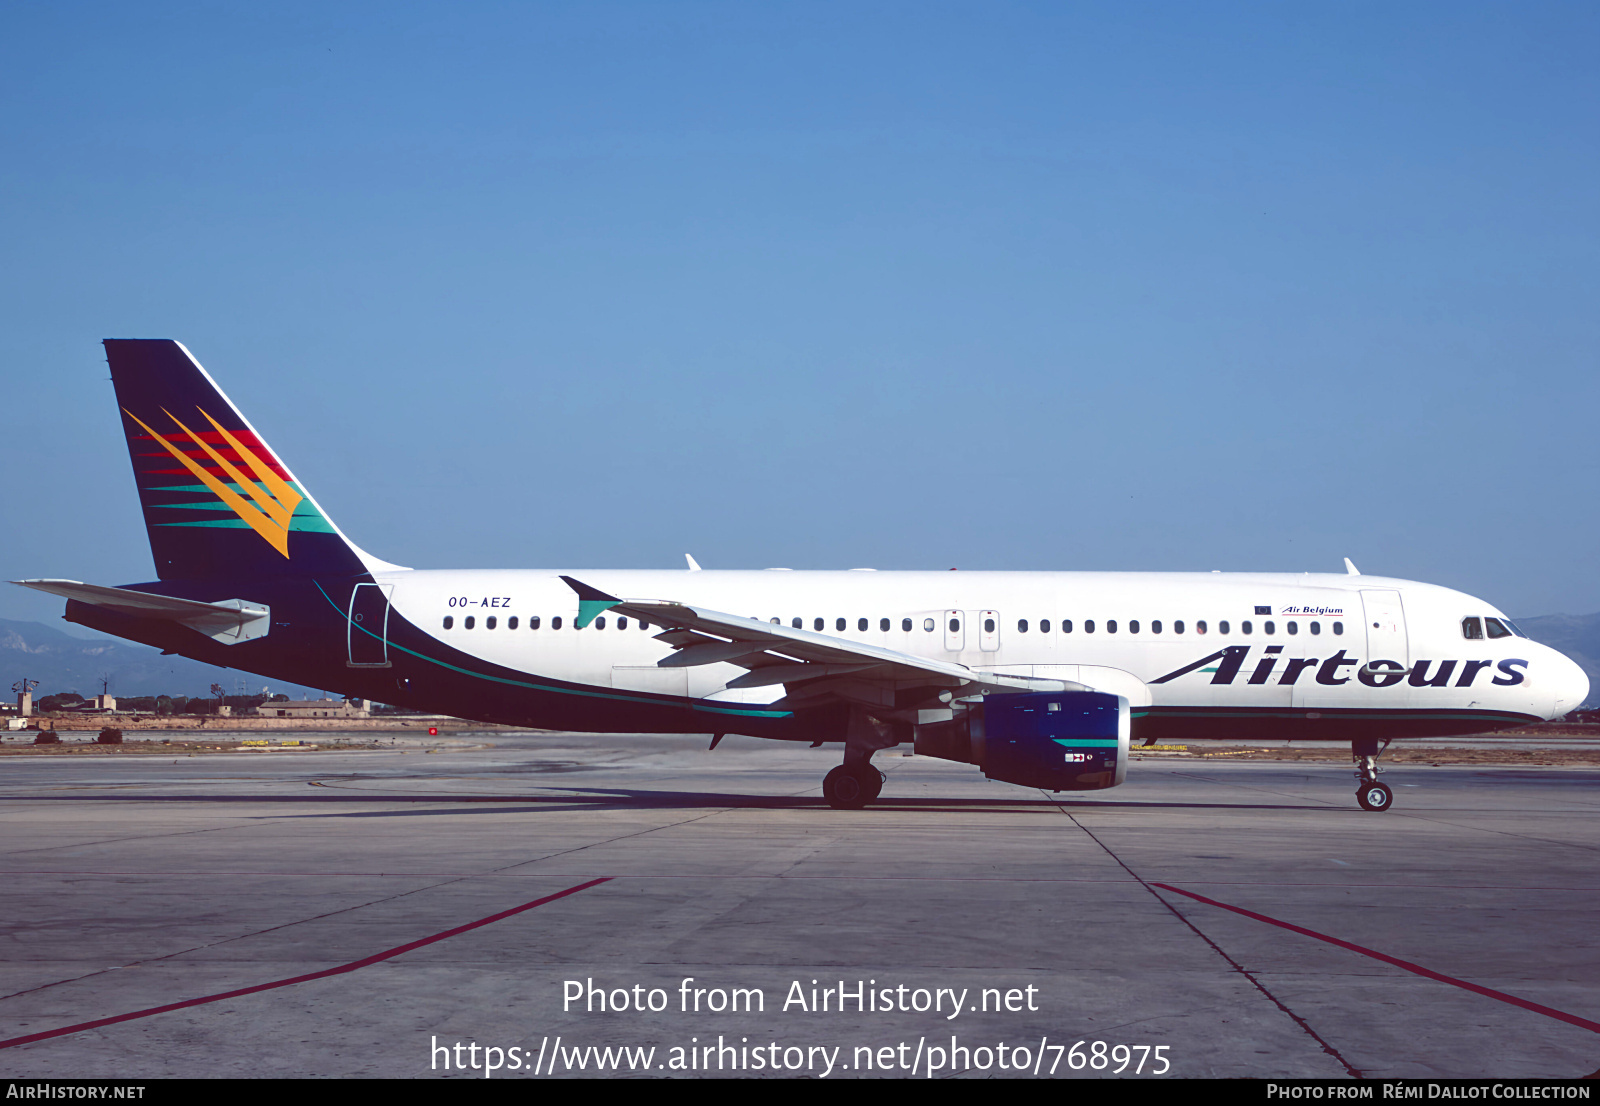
694,565
591,601
1350,568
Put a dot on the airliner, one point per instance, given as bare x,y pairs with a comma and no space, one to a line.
1040,679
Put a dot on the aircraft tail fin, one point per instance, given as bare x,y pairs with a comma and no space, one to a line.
217,500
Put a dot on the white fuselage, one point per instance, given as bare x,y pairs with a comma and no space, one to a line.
1287,642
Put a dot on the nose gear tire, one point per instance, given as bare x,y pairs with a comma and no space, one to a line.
1375,796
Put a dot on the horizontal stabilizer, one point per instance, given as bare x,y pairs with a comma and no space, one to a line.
228,622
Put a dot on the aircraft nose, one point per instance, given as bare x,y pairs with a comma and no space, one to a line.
1568,683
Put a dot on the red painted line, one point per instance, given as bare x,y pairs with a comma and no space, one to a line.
1489,992
340,970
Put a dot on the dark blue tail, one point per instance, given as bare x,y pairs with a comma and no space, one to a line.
217,501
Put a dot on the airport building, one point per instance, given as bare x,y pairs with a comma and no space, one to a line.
317,708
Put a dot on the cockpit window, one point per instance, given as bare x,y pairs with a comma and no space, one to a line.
1471,629
1495,628
1513,627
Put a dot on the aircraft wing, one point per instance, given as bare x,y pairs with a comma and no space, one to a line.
811,666
230,622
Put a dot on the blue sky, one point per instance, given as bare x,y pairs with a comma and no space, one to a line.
1013,286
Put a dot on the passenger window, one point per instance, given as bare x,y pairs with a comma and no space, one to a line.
1111,625
1293,627
1200,627
1044,625
622,624
1494,628
955,625
533,622
905,624
488,623
861,625
795,623
1022,625
988,625
511,623
1177,626
599,623
839,625
818,624
1269,627
1155,625
1247,628
1088,625
927,625
1133,626
1338,627
469,622
777,622
555,623
883,625
1316,627
1471,628
448,622
642,625
1066,625
1222,627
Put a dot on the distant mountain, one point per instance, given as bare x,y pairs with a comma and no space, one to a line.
63,663
1576,635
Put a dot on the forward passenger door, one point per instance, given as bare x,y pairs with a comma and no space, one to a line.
1386,627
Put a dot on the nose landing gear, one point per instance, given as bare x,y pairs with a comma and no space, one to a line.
1371,794
1375,796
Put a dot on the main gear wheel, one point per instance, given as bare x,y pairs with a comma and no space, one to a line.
849,787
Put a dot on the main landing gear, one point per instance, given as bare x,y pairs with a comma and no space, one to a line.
851,787
855,783
1371,794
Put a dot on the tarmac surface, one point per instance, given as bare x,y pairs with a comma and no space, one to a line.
1178,915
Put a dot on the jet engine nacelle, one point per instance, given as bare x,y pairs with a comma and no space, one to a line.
1055,740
